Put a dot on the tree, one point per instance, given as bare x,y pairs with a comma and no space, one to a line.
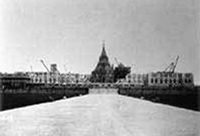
121,71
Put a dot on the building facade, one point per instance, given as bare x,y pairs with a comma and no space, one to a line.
160,79
173,79
55,78
103,73
136,79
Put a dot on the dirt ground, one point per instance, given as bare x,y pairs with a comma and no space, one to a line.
100,115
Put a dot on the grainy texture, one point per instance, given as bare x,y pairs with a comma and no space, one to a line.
100,115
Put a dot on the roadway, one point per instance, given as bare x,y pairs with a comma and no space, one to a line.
99,115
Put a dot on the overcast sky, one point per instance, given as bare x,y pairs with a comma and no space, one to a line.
147,34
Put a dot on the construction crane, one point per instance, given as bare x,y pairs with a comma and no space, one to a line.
50,72
171,68
61,78
58,71
119,64
47,67
175,64
44,65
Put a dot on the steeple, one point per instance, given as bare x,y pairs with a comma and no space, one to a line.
103,53
103,71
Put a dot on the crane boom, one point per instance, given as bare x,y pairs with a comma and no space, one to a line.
44,65
172,66
175,64
169,67
48,71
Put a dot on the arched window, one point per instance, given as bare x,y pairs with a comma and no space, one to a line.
174,81
186,81
152,81
161,81
170,81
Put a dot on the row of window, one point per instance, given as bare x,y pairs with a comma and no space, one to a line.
167,74
166,81
40,80
135,81
136,76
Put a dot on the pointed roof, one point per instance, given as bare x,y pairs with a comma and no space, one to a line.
103,53
103,71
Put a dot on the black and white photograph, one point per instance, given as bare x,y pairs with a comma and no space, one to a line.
99,68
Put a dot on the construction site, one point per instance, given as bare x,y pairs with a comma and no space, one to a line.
99,68
168,86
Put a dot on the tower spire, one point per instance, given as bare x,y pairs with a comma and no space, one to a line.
103,43
103,53
103,71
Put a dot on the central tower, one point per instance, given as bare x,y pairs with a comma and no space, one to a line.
103,73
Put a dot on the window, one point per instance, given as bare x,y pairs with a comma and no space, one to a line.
174,81
152,81
165,81
156,81
185,80
161,81
179,75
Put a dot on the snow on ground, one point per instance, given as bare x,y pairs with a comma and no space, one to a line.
100,115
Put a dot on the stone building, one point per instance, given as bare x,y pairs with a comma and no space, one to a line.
44,78
57,78
103,73
173,79
160,79
136,79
